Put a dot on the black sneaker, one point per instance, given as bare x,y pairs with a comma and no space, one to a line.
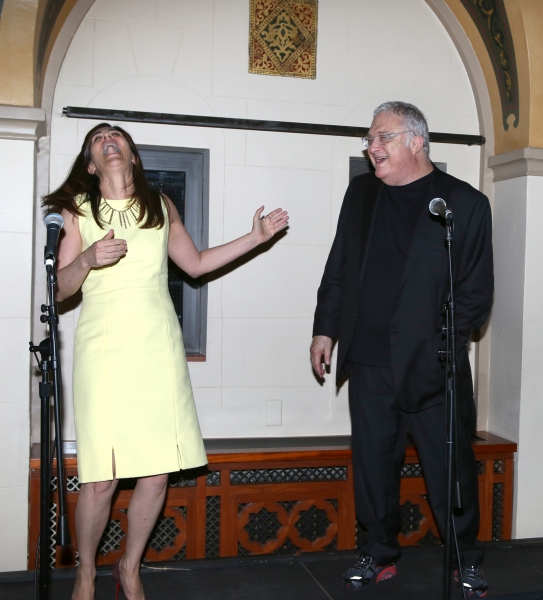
475,583
365,572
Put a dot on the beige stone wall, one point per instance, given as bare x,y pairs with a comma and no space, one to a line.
17,35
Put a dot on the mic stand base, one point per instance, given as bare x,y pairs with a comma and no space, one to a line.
46,391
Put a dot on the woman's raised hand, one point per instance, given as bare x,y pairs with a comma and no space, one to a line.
266,227
106,251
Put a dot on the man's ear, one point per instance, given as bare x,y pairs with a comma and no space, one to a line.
417,143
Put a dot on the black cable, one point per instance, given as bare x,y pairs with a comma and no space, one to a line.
460,573
36,569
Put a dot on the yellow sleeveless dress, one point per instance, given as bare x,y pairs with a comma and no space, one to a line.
132,394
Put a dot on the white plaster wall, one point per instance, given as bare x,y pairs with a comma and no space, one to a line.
529,483
509,240
16,248
188,56
516,411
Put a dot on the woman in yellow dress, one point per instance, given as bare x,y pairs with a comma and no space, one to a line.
134,409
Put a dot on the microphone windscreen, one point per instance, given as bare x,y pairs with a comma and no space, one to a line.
433,203
54,219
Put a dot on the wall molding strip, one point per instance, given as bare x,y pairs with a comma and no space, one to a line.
76,112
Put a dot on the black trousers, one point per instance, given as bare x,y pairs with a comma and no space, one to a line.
379,438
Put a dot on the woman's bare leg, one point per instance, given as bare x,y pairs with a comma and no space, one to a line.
143,511
91,516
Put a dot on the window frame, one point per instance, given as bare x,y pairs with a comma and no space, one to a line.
195,163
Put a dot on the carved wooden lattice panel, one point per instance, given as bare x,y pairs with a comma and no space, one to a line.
265,527
417,521
169,535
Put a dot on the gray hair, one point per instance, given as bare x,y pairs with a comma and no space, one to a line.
412,117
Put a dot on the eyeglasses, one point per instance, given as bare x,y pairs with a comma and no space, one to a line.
382,138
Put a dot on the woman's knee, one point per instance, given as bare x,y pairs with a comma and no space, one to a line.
99,489
154,483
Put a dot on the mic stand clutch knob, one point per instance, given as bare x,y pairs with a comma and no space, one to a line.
442,355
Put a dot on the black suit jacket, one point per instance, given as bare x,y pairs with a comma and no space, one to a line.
418,314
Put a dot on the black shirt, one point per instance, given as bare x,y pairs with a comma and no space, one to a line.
398,210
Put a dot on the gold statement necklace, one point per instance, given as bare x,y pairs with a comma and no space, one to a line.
127,216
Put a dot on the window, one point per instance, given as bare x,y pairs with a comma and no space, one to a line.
183,175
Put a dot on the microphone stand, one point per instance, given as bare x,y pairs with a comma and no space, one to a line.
50,365
454,495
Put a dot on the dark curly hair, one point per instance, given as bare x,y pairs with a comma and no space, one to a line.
81,182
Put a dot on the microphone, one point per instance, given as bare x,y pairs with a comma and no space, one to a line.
439,209
54,223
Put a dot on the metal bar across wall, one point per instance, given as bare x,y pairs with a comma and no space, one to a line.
77,112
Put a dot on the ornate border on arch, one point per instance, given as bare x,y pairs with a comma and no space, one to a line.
491,20
283,38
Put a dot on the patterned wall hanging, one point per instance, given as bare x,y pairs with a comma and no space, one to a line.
283,38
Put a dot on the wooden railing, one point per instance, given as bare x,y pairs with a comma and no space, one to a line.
272,500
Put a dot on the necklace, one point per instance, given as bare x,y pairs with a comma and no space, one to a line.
127,216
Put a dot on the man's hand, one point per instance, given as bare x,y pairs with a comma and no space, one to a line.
321,351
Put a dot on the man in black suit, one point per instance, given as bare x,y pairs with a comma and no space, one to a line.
382,295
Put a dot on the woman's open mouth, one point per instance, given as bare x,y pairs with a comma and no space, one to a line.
111,149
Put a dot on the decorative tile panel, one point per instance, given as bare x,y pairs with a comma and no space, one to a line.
283,38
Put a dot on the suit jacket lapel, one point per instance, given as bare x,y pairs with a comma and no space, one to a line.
424,228
366,218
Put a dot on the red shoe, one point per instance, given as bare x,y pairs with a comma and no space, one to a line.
119,592
474,580
366,572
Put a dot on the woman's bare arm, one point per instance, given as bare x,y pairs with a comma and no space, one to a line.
186,256
74,265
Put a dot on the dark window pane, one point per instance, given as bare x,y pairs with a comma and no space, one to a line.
172,183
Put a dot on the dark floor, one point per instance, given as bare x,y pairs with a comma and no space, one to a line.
514,571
